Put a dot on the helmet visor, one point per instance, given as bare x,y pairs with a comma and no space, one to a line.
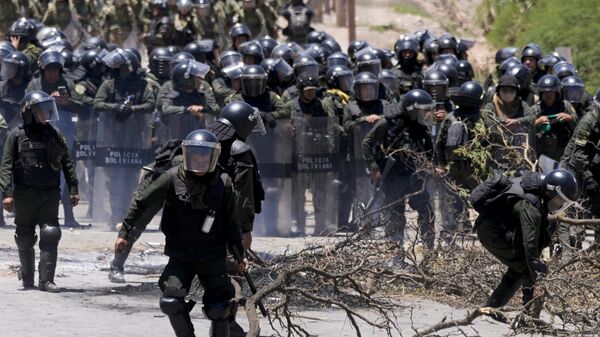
284,71
367,91
345,81
337,61
373,67
196,69
559,203
45,111
423,113
311,70
231,59
439,92
199,156
253,86
9,70
571,94
391,84
260,125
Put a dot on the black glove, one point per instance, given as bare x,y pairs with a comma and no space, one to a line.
124,112
269,119
540,267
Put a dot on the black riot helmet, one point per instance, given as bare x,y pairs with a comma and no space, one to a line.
332,45
549,83
547,62
119,58
252,52
317,37
94,42
366,87
22,28
243,118
231,73
51,57
463,48
202,50
185,6
38,107
531,50
503,53
230,58
16,64
306,64
189,74
268,44
254,81
449,59
560,190
5,49
284,52
436,84
507,64
523,75
319,54
450,72
182,56
465,71
418,106
160,6
573,89
390,81
49,36
338,59
469,95
422,36
446,43
90,62
160,62
430,49
239,29
279,73
405,44
340,77
201,150
307,81
368,62
356,46
134,52
564,69
295,48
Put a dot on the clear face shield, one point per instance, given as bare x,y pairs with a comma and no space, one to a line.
438,91
422,113
366,91
559,203
345,81
9,70
391,84
373,67
231,60
254,85
260,125
45,111
309,69
284,71
199,156
337,61
573,94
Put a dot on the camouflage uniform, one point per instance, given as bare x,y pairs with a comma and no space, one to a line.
118,22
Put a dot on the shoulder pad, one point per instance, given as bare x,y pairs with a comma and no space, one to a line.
239,147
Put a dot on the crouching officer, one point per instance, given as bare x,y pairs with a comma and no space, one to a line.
199,224
34,155
513,225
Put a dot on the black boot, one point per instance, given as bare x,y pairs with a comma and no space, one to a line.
49,237
117,266
235,330
27,259
509,284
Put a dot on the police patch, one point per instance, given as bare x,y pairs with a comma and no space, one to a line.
80,89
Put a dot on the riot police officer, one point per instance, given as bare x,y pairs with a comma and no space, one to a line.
407,127
239,34
298,16
408,69
22,35
15,76
198,227
184,107
555,118
35,153
516,230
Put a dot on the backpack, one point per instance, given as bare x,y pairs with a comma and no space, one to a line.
486,197
163,157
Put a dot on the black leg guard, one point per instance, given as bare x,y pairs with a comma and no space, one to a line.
219,315
235,330
27,258
49,237
175,309
509,284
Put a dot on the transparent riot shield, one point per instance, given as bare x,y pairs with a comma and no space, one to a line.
364,188
274,157
122,149
178,126
315,168
84,153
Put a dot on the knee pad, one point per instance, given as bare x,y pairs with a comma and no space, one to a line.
25,242
172,306
50,235
217,312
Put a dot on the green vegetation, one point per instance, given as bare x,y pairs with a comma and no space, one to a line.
551,24
409,8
